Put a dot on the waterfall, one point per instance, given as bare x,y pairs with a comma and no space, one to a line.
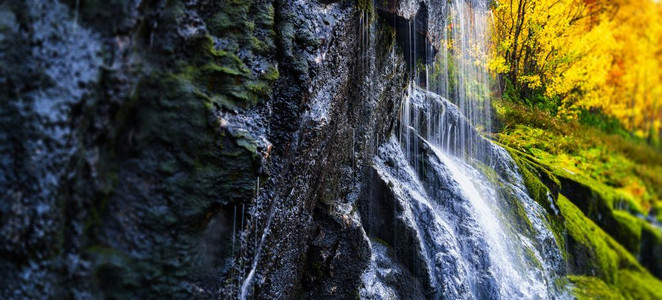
462,68
478,232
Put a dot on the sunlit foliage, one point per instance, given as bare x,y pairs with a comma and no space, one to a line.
601,56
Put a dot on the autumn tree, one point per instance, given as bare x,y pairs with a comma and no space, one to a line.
574,55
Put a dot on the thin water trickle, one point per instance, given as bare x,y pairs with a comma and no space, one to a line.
75,25
257,208
461,64
234,235
234,228
448,138
258,252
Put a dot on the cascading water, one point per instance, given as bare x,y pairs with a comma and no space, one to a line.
462,75
479,234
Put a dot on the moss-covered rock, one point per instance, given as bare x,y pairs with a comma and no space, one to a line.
628,230
651,249
599,266
625,172
544,194
587,287
596,200
169,112
638,285
589,250
540,184
592,252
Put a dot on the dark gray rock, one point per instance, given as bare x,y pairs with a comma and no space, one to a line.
119,174
150,148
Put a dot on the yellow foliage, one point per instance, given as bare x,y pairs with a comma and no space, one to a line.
498,65
532,81
591,54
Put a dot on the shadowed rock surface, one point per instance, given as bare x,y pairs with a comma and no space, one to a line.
135,135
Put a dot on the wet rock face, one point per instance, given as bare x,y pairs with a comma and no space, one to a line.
422,246
121,156
416,21
136,135
387,278
386,218
413,33
643,242
335,101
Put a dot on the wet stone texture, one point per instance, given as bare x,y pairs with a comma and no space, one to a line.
149,148
119,172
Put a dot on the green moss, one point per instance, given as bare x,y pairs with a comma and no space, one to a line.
259,89
271,74
264,15
232,15
638,285
531,175
589,252
595,199
364,4
607,182
533,258
657,211
217,69
626,173
246,141
169,113
258,45
517,212
537,190
365,7
224,79
592,252
630,230
487,171
219,22
586,287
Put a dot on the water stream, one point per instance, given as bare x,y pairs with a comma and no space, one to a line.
479,233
